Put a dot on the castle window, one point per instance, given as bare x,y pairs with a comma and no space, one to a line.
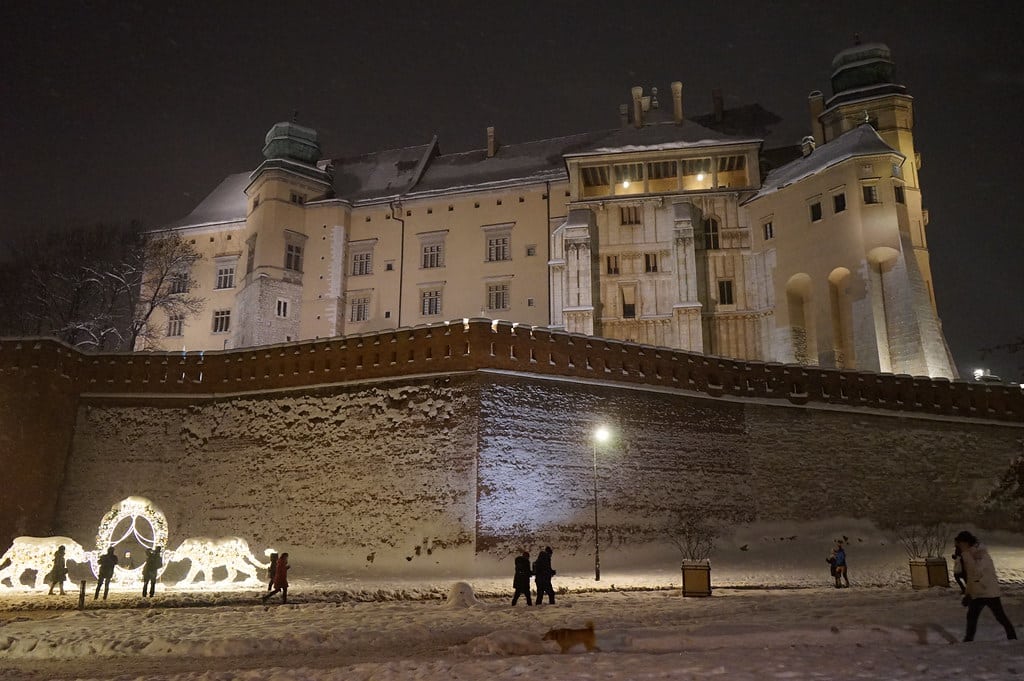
661,170
629,215
250,261
531,250
225,276
838,202
176,325
901,196
497,297
293,257
359,310
613,264
221,321
725,292
362,263
816,211
498,239
769,230
179,283
628,294
298,198
650,262
430,302
282,308
432,255
870,193
256,202
711,241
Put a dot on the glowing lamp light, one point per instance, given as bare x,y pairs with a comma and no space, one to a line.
625,184
700,177
602,434
978,373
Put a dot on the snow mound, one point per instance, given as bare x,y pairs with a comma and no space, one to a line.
505,642
460,595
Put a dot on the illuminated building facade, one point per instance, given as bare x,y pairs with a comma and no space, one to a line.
688,233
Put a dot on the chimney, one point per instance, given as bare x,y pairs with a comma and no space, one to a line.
716,99
817,103
638,107
492,143
623,115
677,102
807,146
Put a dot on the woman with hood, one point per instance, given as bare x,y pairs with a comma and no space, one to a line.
59,572
982,585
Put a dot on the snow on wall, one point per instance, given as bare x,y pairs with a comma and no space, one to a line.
418,473
362,471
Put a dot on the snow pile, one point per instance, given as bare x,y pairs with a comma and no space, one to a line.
461,595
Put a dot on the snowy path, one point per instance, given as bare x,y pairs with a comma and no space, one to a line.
873,633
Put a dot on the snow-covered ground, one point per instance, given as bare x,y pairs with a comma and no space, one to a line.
430,630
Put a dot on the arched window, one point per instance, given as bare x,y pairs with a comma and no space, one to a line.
711,242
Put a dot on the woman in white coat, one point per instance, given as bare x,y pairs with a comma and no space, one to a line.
982,585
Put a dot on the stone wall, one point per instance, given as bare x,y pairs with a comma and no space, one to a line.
471,439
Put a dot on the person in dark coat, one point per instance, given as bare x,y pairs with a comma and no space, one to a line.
107,562
272,571
521,581
280,579
150,569
542,575
60,570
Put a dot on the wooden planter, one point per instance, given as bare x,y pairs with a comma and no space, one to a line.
928,572
696,578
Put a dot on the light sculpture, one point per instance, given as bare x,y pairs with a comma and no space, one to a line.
137,509
206,554
36,553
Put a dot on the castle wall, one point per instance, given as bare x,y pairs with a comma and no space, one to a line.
428,447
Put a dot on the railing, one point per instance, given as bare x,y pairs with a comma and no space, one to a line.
475,344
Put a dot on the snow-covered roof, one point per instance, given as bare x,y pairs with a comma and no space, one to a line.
423,170
379,173
861,141
226,203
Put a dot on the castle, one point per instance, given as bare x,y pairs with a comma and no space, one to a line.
681,232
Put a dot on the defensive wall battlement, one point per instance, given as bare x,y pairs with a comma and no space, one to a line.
480,344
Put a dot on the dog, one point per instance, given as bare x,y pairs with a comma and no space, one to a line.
567,638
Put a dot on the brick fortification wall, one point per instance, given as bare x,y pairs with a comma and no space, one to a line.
477,437
38,402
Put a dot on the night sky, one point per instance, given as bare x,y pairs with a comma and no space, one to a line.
114,112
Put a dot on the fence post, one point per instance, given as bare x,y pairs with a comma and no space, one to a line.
81,595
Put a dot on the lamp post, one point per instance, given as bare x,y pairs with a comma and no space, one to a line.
600,435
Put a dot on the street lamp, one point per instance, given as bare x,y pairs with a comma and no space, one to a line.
600,435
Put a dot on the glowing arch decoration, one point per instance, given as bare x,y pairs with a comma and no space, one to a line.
148,526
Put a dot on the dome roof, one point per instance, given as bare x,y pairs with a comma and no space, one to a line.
292,141
862,66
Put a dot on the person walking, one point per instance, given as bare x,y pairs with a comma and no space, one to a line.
958,570
521,581
272,570
280,579
150,569
107,562
542,575
982,585
840,566
60,570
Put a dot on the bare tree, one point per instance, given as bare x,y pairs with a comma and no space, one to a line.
158,276
95,287
693,534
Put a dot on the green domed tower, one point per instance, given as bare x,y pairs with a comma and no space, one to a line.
293,142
